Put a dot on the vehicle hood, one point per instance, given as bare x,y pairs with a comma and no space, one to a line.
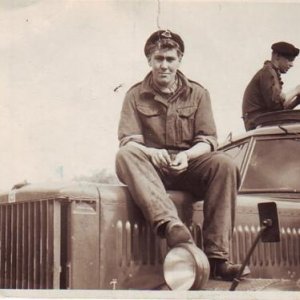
286,199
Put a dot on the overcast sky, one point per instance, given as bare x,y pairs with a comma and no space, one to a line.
61,60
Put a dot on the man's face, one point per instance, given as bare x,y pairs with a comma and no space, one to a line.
164,64
284,64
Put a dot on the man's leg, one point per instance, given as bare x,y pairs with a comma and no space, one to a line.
215,178
147,189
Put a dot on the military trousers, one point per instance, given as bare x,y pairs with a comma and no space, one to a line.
212,177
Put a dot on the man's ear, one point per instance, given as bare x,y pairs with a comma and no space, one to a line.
149,60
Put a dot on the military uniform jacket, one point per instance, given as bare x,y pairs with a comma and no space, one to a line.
263,94
173,123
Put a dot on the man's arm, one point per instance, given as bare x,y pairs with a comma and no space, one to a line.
197,150
130,132
130,127
271,90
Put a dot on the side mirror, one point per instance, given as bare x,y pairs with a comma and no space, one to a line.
268,218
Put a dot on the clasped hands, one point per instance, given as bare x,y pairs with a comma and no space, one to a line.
163,161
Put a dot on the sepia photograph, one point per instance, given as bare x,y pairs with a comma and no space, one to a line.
148,149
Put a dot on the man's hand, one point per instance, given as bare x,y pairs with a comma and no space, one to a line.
179,164
159,157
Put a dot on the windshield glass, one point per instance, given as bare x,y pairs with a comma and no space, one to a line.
274,165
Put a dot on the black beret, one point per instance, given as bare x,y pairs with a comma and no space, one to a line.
285,49
163,35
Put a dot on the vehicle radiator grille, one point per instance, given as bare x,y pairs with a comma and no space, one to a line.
30,245
136,243
269,260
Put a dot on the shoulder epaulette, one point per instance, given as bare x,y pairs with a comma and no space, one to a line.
197,83
135,85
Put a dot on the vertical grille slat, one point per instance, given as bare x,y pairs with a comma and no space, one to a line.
43,245
19,248
234,249
31,246
7,247
119,243
290,246
57,235
253,233
295,246
284,249
298,245
128,244
135,243
14,247
50,245
25,247
36,252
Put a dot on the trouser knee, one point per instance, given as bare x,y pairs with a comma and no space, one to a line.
225,166
127,158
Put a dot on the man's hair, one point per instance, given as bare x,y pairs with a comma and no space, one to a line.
164,44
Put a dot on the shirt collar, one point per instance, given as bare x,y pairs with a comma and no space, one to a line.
148,88
269,63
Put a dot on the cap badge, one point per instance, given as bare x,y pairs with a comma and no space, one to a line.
167,34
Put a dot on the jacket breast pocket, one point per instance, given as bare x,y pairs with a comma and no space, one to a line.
148,111
185,123
152,119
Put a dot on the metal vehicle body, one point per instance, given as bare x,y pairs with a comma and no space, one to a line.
268,159
81,235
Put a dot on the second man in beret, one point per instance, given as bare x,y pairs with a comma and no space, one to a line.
264,92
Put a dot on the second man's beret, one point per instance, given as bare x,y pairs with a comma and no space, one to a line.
285,49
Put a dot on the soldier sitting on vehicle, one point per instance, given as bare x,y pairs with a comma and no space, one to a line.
264,92
168,141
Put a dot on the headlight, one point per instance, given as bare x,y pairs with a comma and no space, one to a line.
186,267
